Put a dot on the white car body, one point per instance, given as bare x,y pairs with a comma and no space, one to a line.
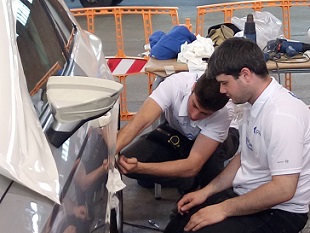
47,186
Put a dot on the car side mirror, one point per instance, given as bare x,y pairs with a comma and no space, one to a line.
75,100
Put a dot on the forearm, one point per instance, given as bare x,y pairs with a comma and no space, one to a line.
90,178
129,132
148,113
176,168
278,190
126,135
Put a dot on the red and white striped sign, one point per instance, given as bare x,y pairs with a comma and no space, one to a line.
120,66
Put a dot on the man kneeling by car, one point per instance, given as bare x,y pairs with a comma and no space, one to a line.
189,149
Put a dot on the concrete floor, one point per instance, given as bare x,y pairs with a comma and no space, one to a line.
140,206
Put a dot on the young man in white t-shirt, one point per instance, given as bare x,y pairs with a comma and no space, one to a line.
266,187
194,141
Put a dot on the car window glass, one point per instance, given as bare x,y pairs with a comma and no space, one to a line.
62,21
40,49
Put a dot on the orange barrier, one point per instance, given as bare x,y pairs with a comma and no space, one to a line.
118,13
135,65
128,65
228,10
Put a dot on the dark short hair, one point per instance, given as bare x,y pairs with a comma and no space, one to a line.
233,55
207,91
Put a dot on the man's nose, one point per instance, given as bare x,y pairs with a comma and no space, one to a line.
222,89
195,115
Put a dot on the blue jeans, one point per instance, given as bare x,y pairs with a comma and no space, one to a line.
268,221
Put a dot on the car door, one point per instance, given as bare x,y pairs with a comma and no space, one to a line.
51,43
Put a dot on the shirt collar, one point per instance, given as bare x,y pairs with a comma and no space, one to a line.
183,112
262,99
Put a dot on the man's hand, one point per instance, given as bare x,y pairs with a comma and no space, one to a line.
190,200
259,199
105,165
127,165
206,216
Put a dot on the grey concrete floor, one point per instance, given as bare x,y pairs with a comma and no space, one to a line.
140,206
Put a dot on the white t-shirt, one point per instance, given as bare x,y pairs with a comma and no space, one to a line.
172,96
275,140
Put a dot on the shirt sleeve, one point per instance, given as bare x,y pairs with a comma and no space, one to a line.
284,141
172,89
163,94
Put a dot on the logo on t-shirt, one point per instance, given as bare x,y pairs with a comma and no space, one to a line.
249,144
257,131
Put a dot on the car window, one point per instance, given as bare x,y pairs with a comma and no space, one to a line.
62,22
44,43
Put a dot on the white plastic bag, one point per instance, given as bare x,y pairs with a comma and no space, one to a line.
25,155
267,26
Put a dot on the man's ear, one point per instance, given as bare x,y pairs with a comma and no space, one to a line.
245,74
